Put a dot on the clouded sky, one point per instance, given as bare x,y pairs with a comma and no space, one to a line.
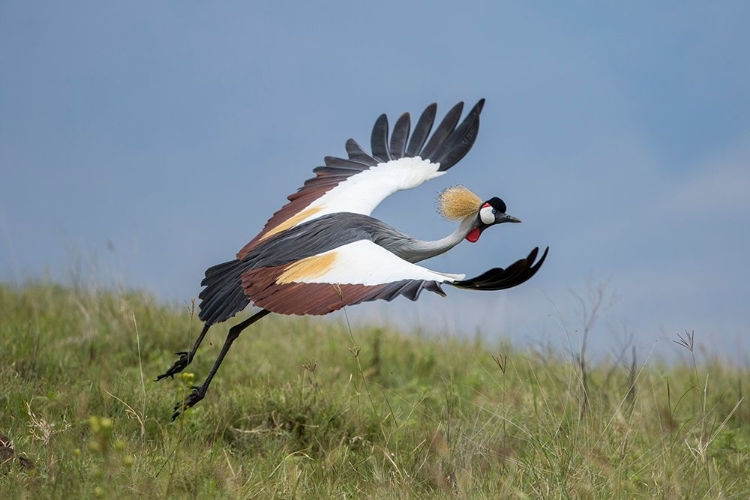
141,142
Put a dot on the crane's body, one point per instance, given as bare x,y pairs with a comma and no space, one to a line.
323,250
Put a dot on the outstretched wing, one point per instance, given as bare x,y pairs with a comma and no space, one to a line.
356,272
358,184
363,271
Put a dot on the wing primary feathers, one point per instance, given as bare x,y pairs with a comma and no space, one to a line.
421,130
379,139
445,128
400,136
455,147
501,279
356,153
490,278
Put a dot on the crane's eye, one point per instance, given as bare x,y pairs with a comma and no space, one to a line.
487,214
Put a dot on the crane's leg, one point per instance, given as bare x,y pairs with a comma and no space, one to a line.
200,391
185,357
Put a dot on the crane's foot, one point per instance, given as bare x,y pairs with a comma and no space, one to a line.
199,391
178,365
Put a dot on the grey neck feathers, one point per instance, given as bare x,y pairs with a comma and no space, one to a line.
414,250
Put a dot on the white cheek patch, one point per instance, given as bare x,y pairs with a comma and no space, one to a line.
487,215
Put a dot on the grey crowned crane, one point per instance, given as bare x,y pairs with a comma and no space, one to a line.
322,250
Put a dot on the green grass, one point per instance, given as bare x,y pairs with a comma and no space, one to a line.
307,409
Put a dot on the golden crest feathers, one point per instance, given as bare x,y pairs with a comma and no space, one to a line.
458,202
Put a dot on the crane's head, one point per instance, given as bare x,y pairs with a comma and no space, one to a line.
459,203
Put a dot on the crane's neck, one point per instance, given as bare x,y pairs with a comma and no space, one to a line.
420,250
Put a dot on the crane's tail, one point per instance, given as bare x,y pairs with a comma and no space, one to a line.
222,296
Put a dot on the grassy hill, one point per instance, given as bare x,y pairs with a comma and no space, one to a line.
309,409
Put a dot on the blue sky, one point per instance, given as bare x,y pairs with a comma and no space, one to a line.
141,142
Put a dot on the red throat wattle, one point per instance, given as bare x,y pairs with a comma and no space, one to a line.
473,235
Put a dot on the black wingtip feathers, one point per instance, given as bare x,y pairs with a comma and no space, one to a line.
501,279
447,145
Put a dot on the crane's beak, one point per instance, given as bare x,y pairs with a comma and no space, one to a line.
505,218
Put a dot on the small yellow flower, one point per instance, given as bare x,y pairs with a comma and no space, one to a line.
94,423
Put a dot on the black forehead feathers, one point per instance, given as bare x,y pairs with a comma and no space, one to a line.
497,204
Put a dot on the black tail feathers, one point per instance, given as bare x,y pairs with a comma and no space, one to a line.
222,296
